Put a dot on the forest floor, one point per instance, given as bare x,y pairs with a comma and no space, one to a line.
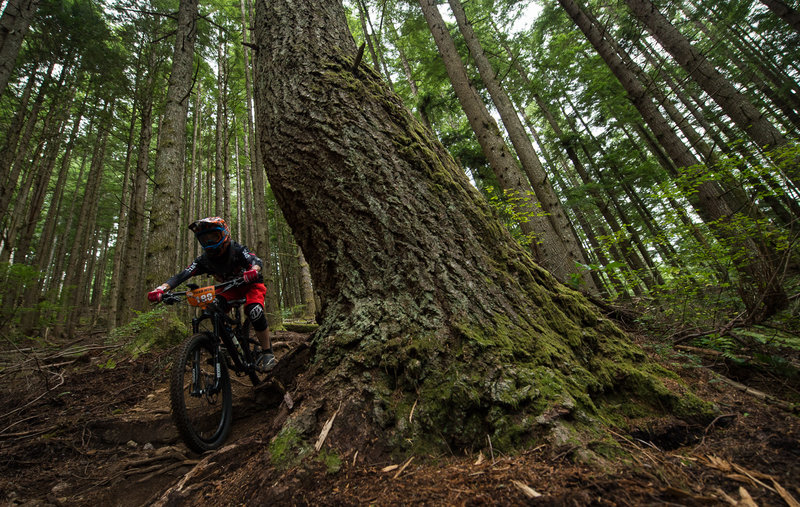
87,429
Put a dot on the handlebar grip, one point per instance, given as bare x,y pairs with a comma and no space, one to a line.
169,299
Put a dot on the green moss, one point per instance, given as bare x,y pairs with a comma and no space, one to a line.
288,448
331,460
300,327
156,329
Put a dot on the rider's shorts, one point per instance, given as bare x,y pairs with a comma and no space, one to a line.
254,292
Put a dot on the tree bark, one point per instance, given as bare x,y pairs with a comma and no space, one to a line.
428,300
14,24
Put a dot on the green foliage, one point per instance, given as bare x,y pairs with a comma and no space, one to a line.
157,328
110,364
514,209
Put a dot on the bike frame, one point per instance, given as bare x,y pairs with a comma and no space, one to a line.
225,329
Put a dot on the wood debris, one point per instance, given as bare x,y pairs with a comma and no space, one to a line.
403,467
755,478
411,415
325,430
526,490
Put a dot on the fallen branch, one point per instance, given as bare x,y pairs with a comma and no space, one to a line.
526,490
403,467
34,400
29,433
789,407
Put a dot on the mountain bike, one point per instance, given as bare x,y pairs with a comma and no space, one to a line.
200,388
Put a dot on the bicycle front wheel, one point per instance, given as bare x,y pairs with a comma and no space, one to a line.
201,399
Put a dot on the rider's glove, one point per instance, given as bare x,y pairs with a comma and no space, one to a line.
155,295
251,275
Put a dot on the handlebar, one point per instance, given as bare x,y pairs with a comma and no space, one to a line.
170,298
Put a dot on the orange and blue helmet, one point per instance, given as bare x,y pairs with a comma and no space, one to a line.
213,235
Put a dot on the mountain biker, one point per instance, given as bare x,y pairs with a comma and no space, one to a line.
225,260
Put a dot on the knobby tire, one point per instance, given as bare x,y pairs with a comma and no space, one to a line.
203,419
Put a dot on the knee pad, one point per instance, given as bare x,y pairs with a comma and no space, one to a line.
256,313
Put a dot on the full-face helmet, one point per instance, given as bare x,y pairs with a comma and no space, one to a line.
213,235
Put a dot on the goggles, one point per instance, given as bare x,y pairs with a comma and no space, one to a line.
212,237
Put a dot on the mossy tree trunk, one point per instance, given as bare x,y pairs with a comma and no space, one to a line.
436,327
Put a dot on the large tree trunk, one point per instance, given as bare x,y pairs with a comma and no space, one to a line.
428,301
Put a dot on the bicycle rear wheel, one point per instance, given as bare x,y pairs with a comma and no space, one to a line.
201,402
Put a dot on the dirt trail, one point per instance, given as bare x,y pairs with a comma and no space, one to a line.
79,434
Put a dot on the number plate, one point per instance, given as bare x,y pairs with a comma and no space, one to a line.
201,297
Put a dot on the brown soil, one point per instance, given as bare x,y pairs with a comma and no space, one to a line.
75,433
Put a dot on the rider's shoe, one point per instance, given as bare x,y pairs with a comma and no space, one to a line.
266,362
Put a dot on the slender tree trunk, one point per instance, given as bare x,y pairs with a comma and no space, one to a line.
362,9
53,126
194,169
19,151
785,12
601,203
761,293
310,309
132,285
47,246
546,245
8,181
239,188
170,158
121,246
75,278
259,221
219,174
733,103
564,258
